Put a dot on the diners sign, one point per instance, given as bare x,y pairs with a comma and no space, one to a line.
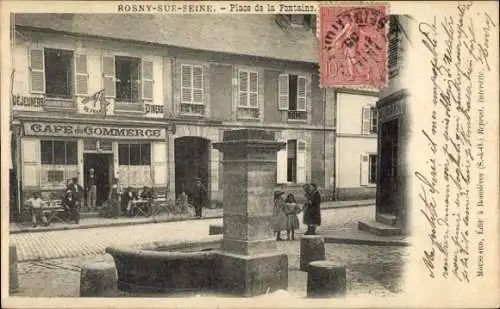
92,131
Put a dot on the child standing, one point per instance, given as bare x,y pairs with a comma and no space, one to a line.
292,209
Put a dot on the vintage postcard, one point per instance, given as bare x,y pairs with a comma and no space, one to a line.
220,154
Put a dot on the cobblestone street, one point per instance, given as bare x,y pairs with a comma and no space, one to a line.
81,242
372,270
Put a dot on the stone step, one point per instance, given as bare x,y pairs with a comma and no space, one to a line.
386,219
378,228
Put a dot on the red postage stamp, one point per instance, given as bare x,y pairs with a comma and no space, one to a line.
353,45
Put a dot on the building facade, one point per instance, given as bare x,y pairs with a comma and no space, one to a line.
356,144
105,92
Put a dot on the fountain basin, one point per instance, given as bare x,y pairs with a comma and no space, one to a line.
166,268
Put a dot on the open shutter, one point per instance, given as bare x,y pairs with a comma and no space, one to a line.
365,125
281,165
81,75
301,161
364,172
187,83
159,164
37,71
108,74
198,84
243,88
254,89
147,79
283,92
301,93
31,157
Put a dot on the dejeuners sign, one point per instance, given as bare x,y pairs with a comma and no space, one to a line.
100,131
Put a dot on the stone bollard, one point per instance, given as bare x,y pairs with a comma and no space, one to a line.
326,279
312,248
13,282
98,280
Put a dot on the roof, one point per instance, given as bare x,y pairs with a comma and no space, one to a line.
247,34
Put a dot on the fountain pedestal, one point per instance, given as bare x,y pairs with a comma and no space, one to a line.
249,263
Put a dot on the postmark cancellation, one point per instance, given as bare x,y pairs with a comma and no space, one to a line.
353,45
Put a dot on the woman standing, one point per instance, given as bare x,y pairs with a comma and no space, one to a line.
279,214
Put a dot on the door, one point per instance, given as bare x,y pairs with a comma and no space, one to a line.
102,165
389,167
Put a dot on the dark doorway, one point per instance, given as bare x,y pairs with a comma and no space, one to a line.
388,185
102,165
191,160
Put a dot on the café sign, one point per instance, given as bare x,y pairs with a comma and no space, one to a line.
92,131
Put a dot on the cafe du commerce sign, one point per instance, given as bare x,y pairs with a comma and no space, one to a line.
92,131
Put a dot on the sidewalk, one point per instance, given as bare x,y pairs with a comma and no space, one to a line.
85,223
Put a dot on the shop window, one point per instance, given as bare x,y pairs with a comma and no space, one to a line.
292,96
58,152
192,94
134,154
248,94
370,119
58,73
127,79
291,162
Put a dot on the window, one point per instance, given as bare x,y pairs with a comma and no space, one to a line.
292,96
58,152
248,94
292,162
370,120
134,154
394,40
372,169
127,79
192,96
368,169
55,176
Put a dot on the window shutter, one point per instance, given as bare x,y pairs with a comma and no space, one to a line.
301,93
159,164
301,161
364,172
254,89
108,74
283,92
243,88
147,79
82,76
198,84
365,126
281,166
37,71
186,83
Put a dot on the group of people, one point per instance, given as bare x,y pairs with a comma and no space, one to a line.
286,212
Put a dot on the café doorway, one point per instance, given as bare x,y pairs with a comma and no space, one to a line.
102,165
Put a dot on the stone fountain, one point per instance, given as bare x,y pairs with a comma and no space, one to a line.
245,262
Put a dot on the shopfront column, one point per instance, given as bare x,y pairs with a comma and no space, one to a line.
171,165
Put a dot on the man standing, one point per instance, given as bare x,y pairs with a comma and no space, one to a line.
198,196
75,196
91,190
312,209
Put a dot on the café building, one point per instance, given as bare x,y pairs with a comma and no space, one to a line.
80,103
